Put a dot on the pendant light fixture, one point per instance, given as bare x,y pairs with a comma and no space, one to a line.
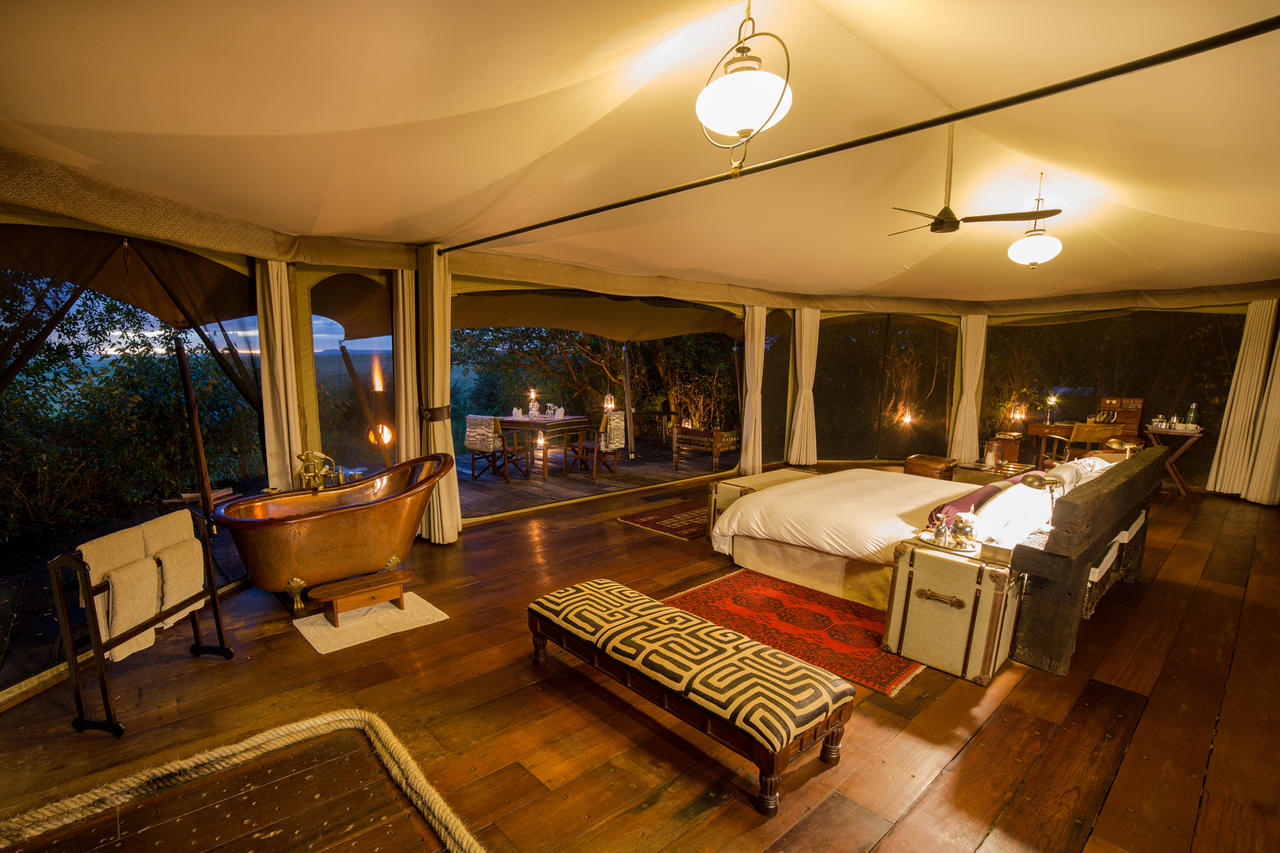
1035,246
744,99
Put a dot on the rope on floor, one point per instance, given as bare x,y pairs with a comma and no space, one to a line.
397,760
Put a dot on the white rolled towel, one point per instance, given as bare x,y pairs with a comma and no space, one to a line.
559,413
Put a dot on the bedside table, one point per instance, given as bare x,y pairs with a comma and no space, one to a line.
980,476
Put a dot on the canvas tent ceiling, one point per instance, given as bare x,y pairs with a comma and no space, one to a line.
619,318
406,123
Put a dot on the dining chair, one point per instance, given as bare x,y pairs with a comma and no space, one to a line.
602,444
500,451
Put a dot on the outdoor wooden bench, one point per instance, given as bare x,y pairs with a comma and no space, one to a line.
686,441
353,593
762,703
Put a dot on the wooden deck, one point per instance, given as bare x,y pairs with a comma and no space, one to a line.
1163,737
490,495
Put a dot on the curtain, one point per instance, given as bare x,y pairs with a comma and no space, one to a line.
282,431
750,462
1247,459
404,355
803,447
971,353
444,513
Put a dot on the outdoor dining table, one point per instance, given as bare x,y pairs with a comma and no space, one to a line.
554,431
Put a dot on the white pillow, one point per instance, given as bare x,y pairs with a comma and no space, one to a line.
1012,515
1078,471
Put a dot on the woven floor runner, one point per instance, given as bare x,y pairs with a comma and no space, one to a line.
838,635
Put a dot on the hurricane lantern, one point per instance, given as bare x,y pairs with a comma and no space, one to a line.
609,403
381,434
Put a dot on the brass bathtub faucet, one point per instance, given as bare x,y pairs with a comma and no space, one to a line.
316,467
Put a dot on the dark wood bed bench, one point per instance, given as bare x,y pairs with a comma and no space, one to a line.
762,703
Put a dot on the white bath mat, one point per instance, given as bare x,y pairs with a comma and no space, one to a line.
367,623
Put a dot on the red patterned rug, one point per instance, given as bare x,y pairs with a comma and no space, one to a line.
686,520
838,635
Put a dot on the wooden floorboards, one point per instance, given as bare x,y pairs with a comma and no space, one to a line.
1162,737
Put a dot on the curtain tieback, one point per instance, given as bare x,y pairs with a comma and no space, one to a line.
436,413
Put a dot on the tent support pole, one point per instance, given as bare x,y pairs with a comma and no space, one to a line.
206,500
626,399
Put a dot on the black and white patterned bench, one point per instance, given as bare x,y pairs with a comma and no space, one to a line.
762,703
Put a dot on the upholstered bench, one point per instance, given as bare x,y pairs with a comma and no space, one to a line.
765,705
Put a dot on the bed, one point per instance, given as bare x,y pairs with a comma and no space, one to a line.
837,533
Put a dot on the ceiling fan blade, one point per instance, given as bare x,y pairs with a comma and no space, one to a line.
917,213
1022,216
905,230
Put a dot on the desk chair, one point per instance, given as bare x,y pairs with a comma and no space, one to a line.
1083,438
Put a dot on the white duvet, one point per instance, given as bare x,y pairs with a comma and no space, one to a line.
859,514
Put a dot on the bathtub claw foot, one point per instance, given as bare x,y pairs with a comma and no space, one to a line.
392,562
294,590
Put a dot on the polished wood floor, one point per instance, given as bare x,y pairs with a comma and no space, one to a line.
1163,737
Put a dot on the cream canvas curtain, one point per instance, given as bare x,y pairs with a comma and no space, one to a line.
444,513
971,354
404,354
803,446
1247,459
751,460
281,424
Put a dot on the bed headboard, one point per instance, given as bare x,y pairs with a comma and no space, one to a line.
1102,507
1085,520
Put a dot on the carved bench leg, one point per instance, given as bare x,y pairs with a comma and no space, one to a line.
767,801
771,765
539,649
831,746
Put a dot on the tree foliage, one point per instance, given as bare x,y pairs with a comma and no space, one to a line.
1171,359
691,376
95,423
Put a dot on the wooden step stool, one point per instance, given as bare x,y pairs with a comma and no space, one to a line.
352,593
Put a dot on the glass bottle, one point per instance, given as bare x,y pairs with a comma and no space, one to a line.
1193,415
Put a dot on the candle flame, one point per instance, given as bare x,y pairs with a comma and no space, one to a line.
377,373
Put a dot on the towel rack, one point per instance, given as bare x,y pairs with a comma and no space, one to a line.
88,595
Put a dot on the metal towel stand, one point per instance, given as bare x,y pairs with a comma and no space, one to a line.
88,595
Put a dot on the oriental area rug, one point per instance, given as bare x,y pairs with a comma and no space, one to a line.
839,635
342,778
686,520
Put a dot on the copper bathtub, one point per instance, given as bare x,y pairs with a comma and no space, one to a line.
293,540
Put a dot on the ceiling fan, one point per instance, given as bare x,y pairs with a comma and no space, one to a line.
945,221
